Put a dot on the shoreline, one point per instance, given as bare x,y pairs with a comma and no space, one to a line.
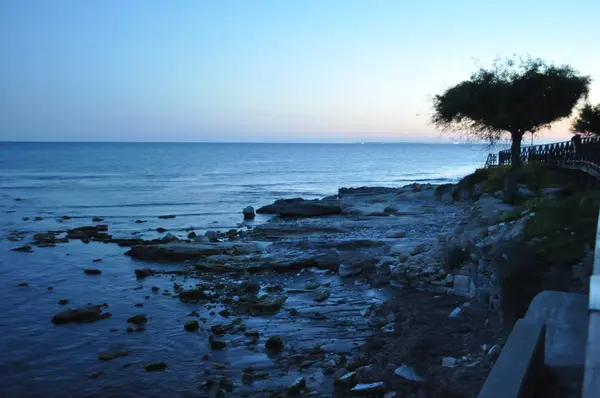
318,274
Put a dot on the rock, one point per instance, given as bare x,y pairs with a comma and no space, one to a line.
66,217
92,271
156,289
169,237
299,207
322,295
420,248
192,295
408,373
449,362
140,221
63,302
152,367
262,305
370,388
250,287
212,236
297,386
384,266
221,393
395,234
526,193
216,344
138,319
552,191
160,230
248,212
182,251
365,374
462,283
23,284
95,375
79,315
494,351
274,343
167,216
311,285
110,355
191,235
346,380
97,219
37,218
143,273
455,313
191,326
90,232
349,270
26,249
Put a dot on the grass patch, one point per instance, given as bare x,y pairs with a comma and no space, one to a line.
535,176
563,227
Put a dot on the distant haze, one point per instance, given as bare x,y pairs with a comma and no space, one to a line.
264,71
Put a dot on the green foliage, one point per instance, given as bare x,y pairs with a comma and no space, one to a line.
562,227
516,96
588,120
535,176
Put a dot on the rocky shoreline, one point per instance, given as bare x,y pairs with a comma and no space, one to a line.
389,285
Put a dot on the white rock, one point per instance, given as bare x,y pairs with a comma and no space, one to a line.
395,234
455,313
462,283
407,373
378,386
495,350
449,362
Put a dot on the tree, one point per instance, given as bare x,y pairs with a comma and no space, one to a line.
512,97
588,120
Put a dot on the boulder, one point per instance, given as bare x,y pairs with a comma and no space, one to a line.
138,319
297,386
322,295
79,315
274,343
180,251
249,213
191,326
349,270
299,207
408,373
153,367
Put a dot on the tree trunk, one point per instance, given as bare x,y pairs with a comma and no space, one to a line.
510,185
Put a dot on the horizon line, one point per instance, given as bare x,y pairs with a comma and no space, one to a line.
359,142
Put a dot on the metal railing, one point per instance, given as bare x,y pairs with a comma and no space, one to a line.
582,154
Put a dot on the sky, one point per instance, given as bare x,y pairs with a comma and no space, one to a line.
265,70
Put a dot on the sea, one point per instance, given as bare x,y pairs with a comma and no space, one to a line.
205,186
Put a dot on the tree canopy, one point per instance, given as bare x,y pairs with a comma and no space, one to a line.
588,120
514,96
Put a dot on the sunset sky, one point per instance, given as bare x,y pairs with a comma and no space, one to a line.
260,70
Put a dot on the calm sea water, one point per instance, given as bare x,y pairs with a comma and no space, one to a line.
205,186
203,183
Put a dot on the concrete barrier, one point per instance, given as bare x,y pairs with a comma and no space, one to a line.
521,363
